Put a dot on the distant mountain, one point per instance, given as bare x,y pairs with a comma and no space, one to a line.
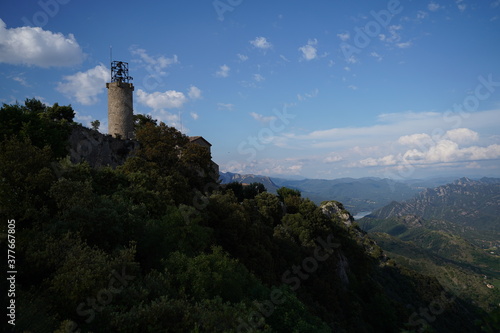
357,195
229,177
451,232
471,204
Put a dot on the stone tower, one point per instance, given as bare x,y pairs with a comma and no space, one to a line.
120,102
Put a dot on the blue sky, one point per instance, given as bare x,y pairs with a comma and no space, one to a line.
318,89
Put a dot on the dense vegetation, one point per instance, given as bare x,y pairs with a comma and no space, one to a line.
449,232
156,245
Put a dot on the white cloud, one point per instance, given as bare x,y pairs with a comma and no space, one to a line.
447,148
260,118
85,120
376,56
307,96
223,71
171,119
85,86
225,106
309,51
38,47
394,34
421,15
265,166
352,87
433,6
242,57
261,43
194,92
404,45
344,36
351,60
416,140
258,77
462,135
169,99
156,64
21,80
284,58
194,115
391,133
332,158
461,5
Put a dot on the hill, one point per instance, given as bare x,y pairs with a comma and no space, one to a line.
450,232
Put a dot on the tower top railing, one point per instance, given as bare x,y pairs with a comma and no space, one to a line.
119,72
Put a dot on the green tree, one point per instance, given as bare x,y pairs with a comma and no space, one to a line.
140,120
60,113
285,192
95,124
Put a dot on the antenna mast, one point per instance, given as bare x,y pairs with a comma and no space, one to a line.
111,57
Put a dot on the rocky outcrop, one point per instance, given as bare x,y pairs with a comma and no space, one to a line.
98,149
334,209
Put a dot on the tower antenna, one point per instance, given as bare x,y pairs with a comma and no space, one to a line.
111,59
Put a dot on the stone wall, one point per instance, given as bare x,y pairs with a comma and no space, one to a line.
99,149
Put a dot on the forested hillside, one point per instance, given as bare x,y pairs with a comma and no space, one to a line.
450,232
156,245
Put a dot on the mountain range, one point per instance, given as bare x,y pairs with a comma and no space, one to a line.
451,232
357,195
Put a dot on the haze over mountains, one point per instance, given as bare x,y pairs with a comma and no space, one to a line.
358,195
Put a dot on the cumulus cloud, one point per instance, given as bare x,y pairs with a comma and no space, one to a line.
37,47
309,51
416,140
462,135
223,71
344,36
156,64
85,86
162,102
261,118
194,92
261,43
169,99
447,148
